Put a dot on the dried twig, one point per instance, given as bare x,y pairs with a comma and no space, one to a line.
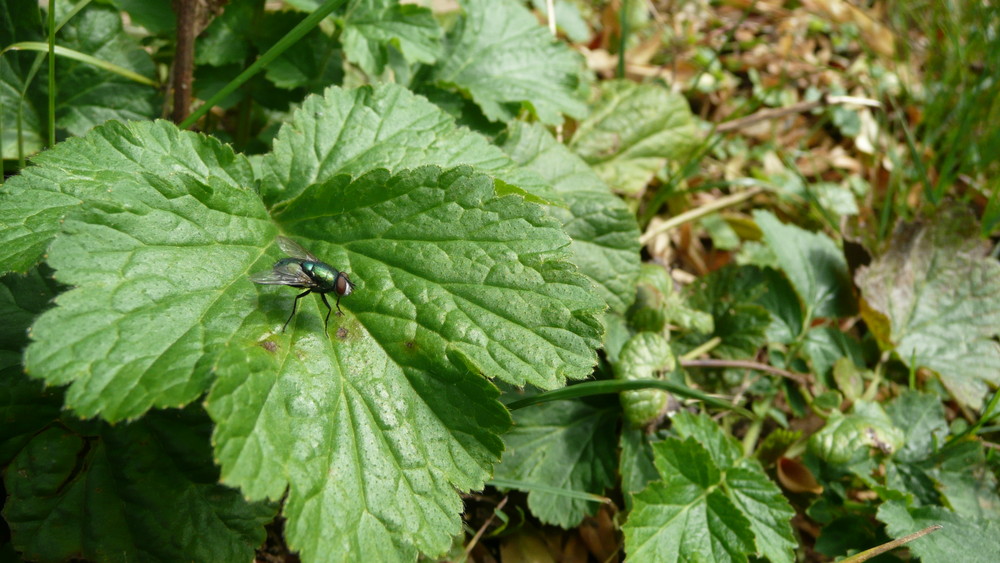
482,529
801,107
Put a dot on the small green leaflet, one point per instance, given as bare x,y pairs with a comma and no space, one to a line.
709,502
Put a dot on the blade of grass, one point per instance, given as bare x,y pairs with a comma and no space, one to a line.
52,71
76,56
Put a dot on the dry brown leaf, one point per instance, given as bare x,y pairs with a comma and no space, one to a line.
599,534
796,477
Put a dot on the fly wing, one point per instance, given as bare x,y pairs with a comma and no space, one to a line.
283,273
294,249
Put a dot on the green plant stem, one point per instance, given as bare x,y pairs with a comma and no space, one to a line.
299,31
606,387
872,389
623,27
52,72
756,426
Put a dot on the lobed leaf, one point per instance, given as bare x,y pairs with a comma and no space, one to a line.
564,444
370,27
492,55
157,230
976,539
369,451
934,299
453,274
709,502
814,265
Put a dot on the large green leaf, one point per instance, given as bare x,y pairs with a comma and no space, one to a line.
934,299
814,265
371,452
455,273
604,232
568,445
371,429
709,504
935,470
632,132
370,27
686,515
159,230
142,491
500,57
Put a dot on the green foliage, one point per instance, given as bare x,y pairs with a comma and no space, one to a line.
845,439
604,232
493,261
730,296
708,500
813,264
976,539
147,488
156,231
933,298
371,28
86,96
497,66
569,445
632,132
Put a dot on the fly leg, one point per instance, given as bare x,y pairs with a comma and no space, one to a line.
294,305
328,311
339,312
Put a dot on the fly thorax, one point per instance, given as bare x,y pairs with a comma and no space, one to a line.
321,273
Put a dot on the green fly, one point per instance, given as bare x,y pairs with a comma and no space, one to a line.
304,270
